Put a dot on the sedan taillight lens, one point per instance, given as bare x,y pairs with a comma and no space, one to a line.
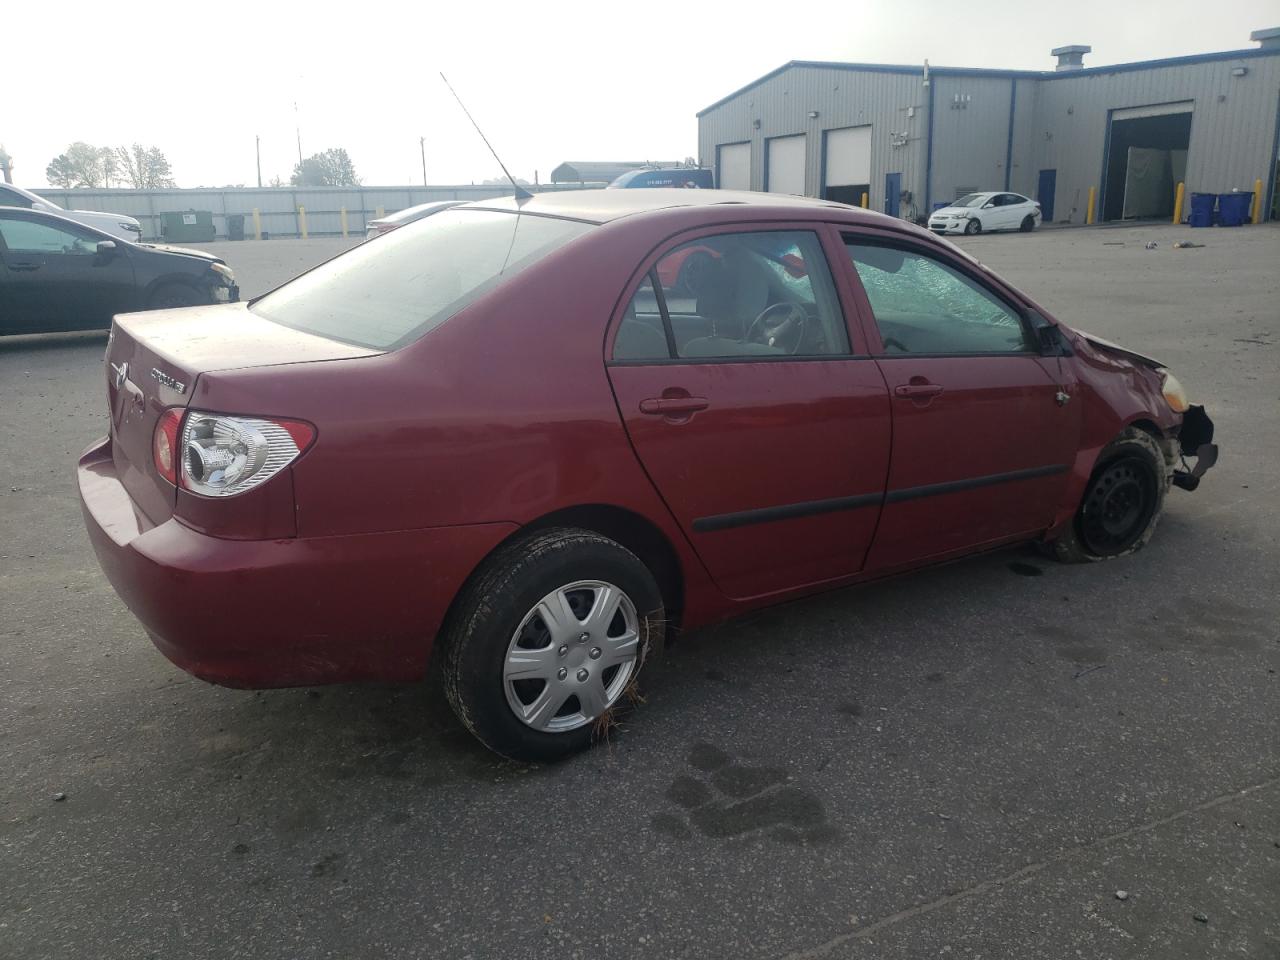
223,456
165,444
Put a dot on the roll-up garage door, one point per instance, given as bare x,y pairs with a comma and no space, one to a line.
785,172
735,166
848,156
1153,110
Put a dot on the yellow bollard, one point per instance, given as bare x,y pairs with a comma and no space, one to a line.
381,212
1178,197
864,201
257,224
1088,214
1257,200
343,212
302,222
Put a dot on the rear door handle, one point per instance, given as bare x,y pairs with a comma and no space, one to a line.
24,265
666,406
917,390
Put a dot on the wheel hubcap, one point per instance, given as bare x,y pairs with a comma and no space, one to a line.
572,656
1118,507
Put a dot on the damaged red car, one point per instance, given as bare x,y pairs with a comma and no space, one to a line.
507,437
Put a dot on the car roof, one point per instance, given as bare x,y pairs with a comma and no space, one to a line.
26,193
24,213
602,206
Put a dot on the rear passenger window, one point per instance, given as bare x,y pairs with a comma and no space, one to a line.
923,306
641,335
759,295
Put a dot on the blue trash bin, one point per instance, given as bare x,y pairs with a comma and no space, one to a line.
1202,209
1233,208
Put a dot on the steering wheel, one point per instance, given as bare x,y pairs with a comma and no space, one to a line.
778,322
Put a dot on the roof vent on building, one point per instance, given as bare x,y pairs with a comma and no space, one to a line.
1267,39
1072,57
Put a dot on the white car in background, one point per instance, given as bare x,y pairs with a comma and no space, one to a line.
116,224
979,212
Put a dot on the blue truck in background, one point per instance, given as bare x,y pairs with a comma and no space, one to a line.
690,177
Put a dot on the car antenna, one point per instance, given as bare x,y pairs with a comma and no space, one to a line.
521,192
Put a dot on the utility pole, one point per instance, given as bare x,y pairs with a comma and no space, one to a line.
257,145
297,126
422,147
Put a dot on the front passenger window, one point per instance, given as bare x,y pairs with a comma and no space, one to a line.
923,306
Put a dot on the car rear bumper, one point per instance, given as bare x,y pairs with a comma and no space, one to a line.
279,613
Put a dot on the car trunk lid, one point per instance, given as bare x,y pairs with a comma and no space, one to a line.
153,362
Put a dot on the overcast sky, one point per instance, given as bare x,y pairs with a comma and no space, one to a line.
548,82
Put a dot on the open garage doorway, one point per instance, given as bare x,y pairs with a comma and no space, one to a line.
846,164
1146,157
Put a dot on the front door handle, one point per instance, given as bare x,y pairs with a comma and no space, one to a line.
669,406
917,390
24,265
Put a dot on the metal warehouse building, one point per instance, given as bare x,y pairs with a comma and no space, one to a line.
914,137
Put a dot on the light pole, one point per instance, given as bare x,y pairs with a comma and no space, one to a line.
422,147
257,146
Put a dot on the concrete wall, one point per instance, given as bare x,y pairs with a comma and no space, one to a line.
277,206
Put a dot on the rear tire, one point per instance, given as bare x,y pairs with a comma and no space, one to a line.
1028,224
576,672
1122,503
973,227
172,295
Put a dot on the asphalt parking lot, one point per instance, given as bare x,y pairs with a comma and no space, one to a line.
966,762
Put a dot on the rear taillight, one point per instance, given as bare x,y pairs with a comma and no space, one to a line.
222,456
165,444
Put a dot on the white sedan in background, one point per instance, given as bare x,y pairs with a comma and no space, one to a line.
979,212
116,224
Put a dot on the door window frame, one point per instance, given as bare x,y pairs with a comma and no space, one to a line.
832,246
987,284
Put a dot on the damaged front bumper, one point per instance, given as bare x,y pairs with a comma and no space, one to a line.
1195,439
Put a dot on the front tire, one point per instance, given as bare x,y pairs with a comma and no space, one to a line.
1028,224
973,227
172,295
546,642
1122,503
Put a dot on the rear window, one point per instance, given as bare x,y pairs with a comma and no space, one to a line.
397,287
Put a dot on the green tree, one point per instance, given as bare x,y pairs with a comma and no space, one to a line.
80,166
146,168
332,168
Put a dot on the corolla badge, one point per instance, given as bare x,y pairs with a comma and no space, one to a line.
161,377
122,373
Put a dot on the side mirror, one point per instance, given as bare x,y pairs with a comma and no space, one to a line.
988,205
105,250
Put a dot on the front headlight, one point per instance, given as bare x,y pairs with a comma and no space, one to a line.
222,270
1174,395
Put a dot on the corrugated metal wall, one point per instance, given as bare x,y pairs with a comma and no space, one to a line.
970,134
1060,122
277,206
1232,125
841,98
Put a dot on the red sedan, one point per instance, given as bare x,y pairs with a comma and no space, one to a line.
499,434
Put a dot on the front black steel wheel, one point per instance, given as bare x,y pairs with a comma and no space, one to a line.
1122,502
1118,506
